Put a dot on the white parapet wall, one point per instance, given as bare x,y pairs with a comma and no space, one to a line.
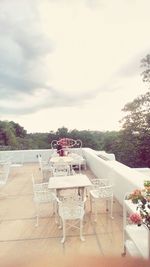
145,171
104,155
125,179
25,156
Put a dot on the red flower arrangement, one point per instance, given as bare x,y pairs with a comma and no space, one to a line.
136,218
142,199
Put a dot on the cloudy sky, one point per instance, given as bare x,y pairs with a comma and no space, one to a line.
72,63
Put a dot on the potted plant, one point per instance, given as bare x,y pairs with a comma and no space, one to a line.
142,199
135,196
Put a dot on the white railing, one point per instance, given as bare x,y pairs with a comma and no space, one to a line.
125,179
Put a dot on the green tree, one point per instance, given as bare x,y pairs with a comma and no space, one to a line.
135,136
7,134
62,132
39,140
19,130
88,140
137,119
51,137
145,64
109,140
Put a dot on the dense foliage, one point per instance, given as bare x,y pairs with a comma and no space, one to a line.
135,136
132,150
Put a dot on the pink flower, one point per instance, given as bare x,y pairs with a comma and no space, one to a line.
136,218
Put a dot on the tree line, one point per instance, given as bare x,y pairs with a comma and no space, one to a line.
131,145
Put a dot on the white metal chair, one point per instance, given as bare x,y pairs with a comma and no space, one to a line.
45,167
71,209
78,161
42,195
4,172
101,189
60,169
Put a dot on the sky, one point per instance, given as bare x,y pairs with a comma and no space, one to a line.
71,63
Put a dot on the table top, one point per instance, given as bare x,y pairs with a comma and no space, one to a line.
70,181
61,159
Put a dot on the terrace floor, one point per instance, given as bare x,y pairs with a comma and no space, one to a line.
21,240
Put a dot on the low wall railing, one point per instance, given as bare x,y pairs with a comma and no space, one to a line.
125,179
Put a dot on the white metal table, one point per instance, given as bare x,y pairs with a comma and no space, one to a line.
79,181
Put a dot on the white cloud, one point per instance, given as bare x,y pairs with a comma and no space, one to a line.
69,61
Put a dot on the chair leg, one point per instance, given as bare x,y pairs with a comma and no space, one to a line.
37,215
60,223
91,203
111,208
107,209
81,228
95,211
64,232
55,212
79,168
95,207
37,221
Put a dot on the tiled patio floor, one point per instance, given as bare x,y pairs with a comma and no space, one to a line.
20,239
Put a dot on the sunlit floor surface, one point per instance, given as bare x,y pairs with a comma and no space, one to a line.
19,238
